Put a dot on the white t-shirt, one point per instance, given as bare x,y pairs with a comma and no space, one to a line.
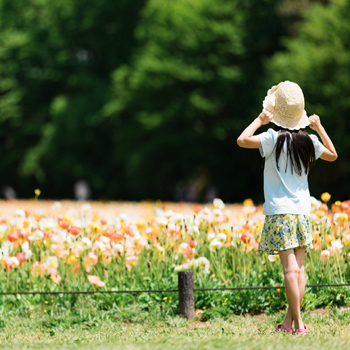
285,193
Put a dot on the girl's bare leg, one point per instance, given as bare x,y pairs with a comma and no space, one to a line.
300,257
288,320
291,277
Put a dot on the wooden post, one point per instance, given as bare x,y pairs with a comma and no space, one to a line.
186,294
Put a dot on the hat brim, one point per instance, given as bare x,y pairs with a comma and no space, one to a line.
291,124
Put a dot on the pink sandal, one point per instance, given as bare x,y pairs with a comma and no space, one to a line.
301,331
279,328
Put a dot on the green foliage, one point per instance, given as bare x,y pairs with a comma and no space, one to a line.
187,92
318,59
178,96
55,65
137,97
220,311
229,268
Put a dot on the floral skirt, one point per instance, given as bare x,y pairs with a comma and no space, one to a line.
285,231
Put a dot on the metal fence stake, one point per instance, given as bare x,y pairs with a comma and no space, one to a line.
186,294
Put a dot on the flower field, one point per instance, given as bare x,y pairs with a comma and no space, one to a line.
66,246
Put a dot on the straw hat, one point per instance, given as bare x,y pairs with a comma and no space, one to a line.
285,102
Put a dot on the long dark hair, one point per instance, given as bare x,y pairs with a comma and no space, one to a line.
300,149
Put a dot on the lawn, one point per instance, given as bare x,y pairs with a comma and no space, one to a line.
128,328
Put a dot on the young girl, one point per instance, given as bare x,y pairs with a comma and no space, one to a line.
289,153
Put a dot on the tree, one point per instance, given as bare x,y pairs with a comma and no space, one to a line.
55,65
179,104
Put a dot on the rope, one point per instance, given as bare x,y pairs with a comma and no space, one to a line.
167,290
277,287
91,292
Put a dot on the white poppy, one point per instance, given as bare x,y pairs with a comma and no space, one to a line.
221,237
52,262
218,203
86,243
36,236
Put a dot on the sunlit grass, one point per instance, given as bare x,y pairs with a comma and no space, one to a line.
131,328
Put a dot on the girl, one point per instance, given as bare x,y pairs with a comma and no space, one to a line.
289,153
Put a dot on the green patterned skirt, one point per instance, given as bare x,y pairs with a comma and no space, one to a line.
285,231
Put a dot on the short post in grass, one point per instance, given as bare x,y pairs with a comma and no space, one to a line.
186,294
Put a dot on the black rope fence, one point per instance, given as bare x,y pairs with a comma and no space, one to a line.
168,290
185,291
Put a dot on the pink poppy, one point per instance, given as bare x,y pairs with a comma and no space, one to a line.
93,258
8,263
325,255
96,281
21,257
87,265
56,278
38,269
107,257
190,253
317,245
131,261
192,243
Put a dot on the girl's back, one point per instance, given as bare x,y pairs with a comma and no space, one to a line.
288,159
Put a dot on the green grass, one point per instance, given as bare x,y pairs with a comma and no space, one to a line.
131,328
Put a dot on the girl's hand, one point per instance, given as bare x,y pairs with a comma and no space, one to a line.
265,117
315,122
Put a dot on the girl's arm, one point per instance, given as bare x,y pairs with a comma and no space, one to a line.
329,154
247,138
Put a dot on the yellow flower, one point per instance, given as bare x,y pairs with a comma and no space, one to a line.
67,218
37,192
95,216
160,248
346,239
343,219
72,259
320,213
329,238
95,227
248,202
26,223
278,291
141,225
165,298
325,197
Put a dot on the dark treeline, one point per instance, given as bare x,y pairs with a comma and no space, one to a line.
144,99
